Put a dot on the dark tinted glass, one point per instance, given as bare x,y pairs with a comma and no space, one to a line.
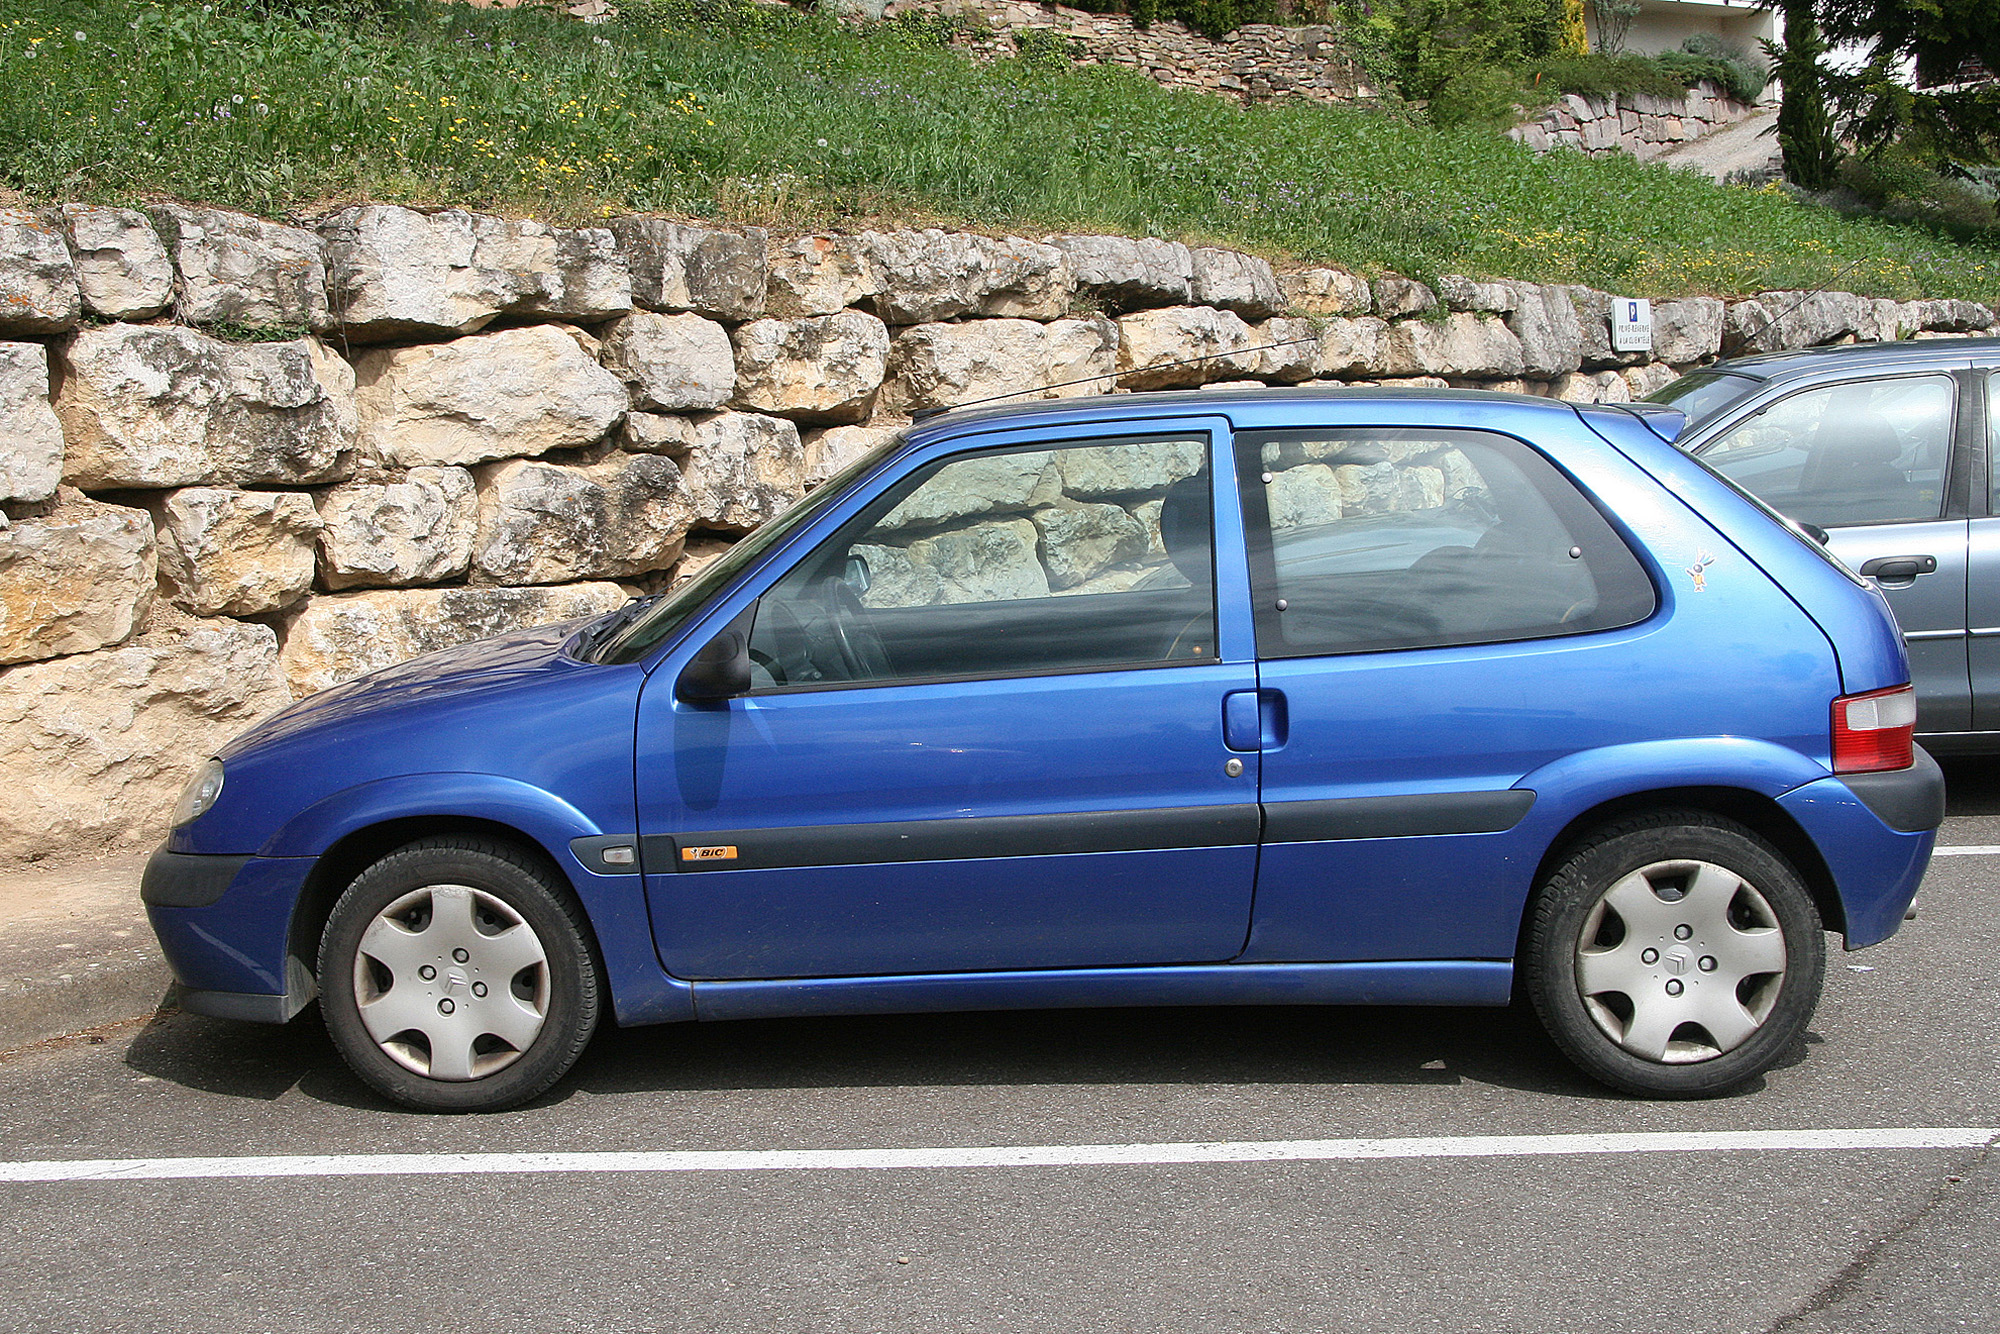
1367,540
1704,393
1866,451
1088,555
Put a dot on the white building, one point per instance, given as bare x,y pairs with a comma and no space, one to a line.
1662,25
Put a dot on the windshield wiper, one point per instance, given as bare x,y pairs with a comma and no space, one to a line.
598,633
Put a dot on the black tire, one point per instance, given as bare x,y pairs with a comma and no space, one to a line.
1644,1005
498,1025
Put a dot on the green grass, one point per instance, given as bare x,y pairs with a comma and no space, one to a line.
799,123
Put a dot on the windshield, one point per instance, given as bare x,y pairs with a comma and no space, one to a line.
666,616
1703,394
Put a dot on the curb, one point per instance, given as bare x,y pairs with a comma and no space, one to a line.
76,951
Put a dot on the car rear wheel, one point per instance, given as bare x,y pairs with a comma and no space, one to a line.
455,976
1674,956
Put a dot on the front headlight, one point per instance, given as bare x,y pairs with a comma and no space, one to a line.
199,794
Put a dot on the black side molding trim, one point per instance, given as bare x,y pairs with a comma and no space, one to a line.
1908,800
954,840
186,879
251,1007
1396,817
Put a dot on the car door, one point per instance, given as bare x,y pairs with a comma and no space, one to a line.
1870,461
1438,613
984,732
1983,554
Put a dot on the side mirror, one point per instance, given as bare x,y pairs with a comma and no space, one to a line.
721,669
855,575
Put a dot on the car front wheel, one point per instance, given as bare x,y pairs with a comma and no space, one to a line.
1674,956
455,976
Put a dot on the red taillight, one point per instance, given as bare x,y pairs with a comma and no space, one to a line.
1875,731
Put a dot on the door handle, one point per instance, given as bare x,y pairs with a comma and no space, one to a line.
1898,569
1240,729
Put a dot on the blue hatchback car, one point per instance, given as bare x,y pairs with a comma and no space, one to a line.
1288,697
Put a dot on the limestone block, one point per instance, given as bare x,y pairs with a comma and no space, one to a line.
234,553
38,292
1353,348
818,275
723,275
997,483
1795,319
516,393
122,268
416,530
935,275
1466,294
541,523
396,271
1648,379
1396,297
832,448
742,469
946,365
1150,342
672,362
236,269
1886,321
987,562
31,439
655,433
157,406
1464,344
1303,496
1592,387
76,579
1325,292
1292,350
1081,541
1743,322
333,637
1238,282
99,746
1687,331
1948,316
1124,274
822,368
1099,472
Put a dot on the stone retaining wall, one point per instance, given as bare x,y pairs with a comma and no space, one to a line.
1255,63
1636,123
242,460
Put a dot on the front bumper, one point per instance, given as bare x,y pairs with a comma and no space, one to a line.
224,924
1875,832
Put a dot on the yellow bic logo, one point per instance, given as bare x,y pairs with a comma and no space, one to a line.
724,853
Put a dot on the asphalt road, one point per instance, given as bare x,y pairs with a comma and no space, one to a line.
1804,1240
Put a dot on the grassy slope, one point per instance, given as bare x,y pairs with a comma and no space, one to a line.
801,124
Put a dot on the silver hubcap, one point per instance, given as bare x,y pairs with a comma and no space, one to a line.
451,982
1680,961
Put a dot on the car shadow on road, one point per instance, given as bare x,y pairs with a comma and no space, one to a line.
1221,1046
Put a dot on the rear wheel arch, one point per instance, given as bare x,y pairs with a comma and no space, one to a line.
1756,812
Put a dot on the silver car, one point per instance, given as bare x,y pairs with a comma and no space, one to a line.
1886,449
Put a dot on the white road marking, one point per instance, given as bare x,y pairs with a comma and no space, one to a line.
1970,850
1029,1155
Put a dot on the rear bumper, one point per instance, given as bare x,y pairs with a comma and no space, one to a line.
1875,833
224,923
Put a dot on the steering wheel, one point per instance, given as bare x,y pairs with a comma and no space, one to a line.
853,637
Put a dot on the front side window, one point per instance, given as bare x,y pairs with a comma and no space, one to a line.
1085,556
1373,539
1867,451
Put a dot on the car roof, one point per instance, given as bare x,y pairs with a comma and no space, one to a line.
1911,352
1196,402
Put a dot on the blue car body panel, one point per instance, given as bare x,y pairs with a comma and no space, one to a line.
1438,778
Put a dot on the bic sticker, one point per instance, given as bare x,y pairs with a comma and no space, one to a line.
725,853
1699,571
